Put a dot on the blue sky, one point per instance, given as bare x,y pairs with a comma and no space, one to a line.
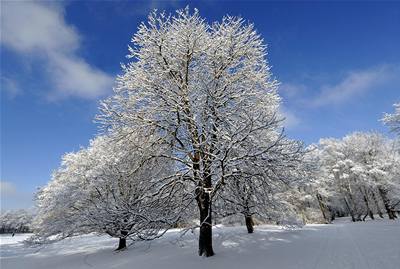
338,64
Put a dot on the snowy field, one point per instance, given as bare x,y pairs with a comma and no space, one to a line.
342,245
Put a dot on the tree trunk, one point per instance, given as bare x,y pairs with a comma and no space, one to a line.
249,224
386,203
365,216
378,209
205,237
369,211
122,241
353,219
332,212
322,207
352,205
393,209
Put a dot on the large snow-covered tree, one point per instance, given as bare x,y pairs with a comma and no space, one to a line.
207,92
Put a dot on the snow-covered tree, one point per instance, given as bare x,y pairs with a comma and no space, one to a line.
376,167
207,92
16,221
364,168
317,190
393,120
260,190
108,188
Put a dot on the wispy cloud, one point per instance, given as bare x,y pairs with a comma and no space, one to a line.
292,90
39,30
7,188
13,198
310,96
355,84
290,118
10,87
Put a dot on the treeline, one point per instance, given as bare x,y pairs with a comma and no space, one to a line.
18,221
357,176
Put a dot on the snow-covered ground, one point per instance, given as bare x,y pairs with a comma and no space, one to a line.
372,244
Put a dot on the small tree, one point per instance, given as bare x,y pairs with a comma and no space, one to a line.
393,120
259,190
108,188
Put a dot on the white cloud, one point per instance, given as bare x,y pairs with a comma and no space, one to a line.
10,86
356,84
353,85
292,90
7,188
40,30
13,198
290,119
73,76
30,26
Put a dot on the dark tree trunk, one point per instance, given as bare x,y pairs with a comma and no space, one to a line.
205,237
365,217
353,219
369,211
353,206
386,203
378,209
122,241
332,213
322,207
371,215
249,224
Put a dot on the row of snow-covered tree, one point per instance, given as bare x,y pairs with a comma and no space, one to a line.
16,221
192,132
358,175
